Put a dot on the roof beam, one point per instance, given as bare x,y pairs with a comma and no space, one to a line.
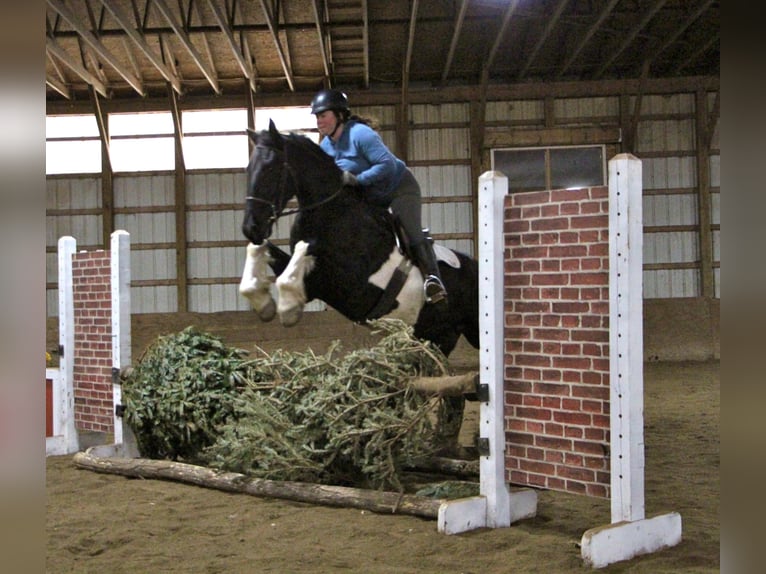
178,28
549,26
58,85
138,38
680,29
366,43
694,55
280,52
588,35
453,43
410,45
53,48
62,10
628,40
225,27
498,38
318,12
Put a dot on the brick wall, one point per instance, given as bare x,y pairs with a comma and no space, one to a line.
92,365
557,340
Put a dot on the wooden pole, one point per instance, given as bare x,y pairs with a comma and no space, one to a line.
341,496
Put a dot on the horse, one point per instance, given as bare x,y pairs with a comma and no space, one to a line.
345,250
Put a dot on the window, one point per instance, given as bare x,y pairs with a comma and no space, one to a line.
141,142
215,138
535,169
72,144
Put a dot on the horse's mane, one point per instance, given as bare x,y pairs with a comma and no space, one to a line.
308,145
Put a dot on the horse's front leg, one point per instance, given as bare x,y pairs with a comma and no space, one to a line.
256,282
291,286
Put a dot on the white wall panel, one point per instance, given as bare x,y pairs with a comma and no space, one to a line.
73,193
86,229
147,227
439,144
668,283
216,187
715,170
674,209
532,111
161,299
138,190
671,247
444,180
148,264
573,108
667,104
439,113
668,172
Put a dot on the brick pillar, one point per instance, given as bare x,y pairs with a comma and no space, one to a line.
92,373
557,340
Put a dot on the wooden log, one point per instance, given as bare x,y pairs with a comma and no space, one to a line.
444,465
447,386
339,496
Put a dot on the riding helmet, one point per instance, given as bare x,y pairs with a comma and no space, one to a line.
329,100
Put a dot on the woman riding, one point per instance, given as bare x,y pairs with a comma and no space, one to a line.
366,161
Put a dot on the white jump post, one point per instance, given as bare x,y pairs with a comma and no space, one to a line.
65,439
630,533
497,506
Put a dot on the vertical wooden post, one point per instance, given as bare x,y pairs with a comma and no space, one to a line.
66,248
704,210
497,506
629,534
121,332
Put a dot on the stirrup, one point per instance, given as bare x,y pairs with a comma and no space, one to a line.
434,289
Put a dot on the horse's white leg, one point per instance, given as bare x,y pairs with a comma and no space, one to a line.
256,281
290,286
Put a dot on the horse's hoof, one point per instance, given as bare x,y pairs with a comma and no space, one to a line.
268,312
291,317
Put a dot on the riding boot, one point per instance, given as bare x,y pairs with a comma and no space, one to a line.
426,260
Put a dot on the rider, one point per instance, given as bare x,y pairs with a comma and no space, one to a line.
366,161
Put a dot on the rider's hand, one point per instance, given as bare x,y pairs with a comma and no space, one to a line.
349,179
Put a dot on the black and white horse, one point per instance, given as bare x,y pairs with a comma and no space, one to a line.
344,250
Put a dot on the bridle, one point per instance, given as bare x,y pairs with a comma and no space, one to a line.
288,172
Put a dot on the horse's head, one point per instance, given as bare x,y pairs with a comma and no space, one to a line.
269,184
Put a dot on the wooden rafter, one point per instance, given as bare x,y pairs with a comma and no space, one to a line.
319,19
628,39
606,10
366,43
453,42
90,39
695,54
678,30
410,46
549,27
58,85
273,28
63,56
138,38
507,16
224,25
183,37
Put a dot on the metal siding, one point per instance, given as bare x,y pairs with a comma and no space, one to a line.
444,180
574,108
715,170
439,113
667,104
531,111
439,144
160,299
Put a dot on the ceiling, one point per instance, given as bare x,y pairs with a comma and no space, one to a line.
135,49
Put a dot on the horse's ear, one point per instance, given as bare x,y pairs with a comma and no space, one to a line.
275,135
253,135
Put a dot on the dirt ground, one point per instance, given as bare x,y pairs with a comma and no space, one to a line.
111,524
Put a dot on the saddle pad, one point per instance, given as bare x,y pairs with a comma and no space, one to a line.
446,255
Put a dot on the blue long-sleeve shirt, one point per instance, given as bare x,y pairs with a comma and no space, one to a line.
361,151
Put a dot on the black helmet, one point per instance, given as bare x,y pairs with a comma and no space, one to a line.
329,100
